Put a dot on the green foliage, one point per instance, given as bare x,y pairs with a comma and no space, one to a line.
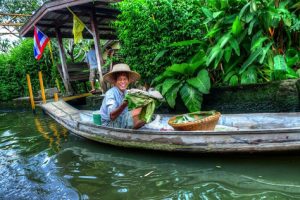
232,42
180,78
15,65
146,28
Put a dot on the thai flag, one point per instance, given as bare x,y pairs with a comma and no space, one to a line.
40,42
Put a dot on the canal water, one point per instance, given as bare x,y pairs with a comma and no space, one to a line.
39,159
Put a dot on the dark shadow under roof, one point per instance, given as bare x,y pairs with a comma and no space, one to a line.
54,14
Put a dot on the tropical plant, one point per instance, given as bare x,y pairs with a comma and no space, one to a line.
246,45
146,27
190,80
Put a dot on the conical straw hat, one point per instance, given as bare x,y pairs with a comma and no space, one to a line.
133,76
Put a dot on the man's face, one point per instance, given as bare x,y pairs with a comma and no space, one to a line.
122,82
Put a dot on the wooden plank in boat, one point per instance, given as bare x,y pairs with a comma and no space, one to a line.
59,109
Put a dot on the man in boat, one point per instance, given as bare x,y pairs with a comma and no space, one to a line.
114,111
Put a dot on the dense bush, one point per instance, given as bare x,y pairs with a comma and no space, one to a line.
146,27
239,42
15,65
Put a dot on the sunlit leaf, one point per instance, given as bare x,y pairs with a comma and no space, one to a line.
235,45
191,98
246,6
201,82
227,53
279,63
159,55
216,14
264,52
168,83
253,57
229,75
249,76
213,54
218,59
199,56
236,26
171,95
223,40
258,43
179,69
234,80
207,13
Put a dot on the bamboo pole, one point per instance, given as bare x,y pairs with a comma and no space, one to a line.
30,93
42,87
55,96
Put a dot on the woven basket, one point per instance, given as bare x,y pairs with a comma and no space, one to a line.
205,124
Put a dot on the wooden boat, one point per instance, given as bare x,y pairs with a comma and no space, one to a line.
256,132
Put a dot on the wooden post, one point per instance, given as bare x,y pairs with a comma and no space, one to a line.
97,49
30,93
63,61
42,87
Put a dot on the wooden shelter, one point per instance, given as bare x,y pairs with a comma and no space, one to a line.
55,20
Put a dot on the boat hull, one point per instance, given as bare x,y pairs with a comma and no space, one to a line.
250,141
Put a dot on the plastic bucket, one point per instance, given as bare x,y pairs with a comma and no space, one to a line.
97,118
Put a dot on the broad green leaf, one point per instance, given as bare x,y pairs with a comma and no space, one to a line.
243,10
249,17
218,59
298,72
191,98
224,4
216,14
291,73
178,69
253,57
171,95
287,22
199,56
253,7
212,32
234,80
236,28
231,66
292,57
185,43
249,76
250,28
227,53
201,82
223,40
264,52
213,53
256,37
159,87
235,45
241,37
159,55
229,75
279,63
195,66
168,83
207,12
163,76
258,43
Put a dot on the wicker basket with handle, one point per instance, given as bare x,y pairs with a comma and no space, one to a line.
208,122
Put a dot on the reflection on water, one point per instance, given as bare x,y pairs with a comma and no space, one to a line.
40,160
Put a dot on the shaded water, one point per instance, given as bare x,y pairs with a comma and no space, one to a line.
41,160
